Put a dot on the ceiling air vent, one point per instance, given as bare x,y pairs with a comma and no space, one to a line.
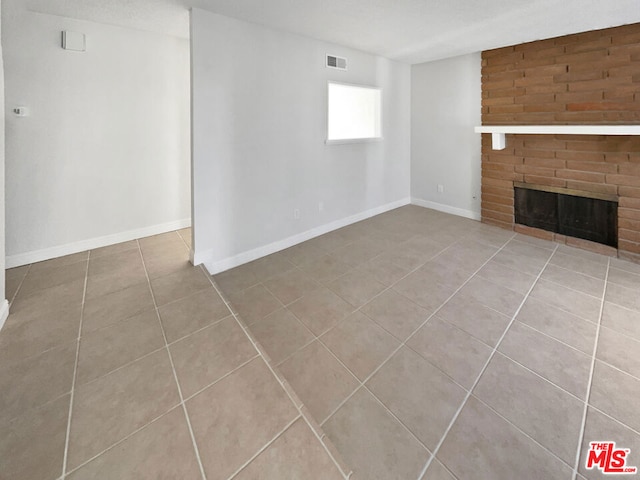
336,62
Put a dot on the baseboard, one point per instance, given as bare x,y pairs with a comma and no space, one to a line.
4,313
214,267
461,212
91,243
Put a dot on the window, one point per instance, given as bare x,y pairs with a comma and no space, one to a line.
354,113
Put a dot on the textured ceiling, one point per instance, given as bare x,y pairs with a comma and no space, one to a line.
413,31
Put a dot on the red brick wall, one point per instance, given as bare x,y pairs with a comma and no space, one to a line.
587,78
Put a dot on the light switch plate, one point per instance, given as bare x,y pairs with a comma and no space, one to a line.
73,41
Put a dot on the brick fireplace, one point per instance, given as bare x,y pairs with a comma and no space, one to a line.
590,78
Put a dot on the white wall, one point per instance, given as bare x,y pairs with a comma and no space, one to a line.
259,127
4,304
445,106
104,155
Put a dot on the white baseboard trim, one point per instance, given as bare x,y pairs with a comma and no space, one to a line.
4,313
214,267
461,212
91,243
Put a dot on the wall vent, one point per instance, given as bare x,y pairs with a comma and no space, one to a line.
339,63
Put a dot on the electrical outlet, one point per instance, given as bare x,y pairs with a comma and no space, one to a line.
440,188
296,214
320,206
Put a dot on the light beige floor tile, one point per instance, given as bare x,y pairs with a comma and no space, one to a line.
114,272
162,449
624,278
409,257
207,355
65,260
616,394
476,319
580,265
619,350
426,290
437,471
290,286
297,453
558,324
325,268
47,277
356,288
189,314
600,428
113,249
566,367
330,241
571,301
494,449
527,250
236,279
506,277
270,266
418,394
320,310
233,419
574,280
301,253
492,295
32,445
453,351
358,252
25,335
32,382
43,301
516,261
186,234
360,344
281,334
374,443
320,381
622,320
168,260
108,348
538,242
383,270
111,308
548,414
621,264
585,254
159,240
623,296
115,405
178,285
254,303
13,280
396,314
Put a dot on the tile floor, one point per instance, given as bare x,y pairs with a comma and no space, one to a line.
411,345
125,363
435,347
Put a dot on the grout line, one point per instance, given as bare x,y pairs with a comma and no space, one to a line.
590,382
271,369
125,438
173,368
486,364
362,383
65,457
266,445
13,298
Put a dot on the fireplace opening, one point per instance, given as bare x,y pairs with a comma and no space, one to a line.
583,215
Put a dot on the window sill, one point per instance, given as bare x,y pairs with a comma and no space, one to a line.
345,141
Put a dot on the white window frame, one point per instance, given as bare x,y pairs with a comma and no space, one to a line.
341,141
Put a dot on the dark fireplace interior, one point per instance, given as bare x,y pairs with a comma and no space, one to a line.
593,217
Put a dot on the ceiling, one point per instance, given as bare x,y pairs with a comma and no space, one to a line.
412,31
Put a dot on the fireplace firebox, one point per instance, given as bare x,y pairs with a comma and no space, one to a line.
573,213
